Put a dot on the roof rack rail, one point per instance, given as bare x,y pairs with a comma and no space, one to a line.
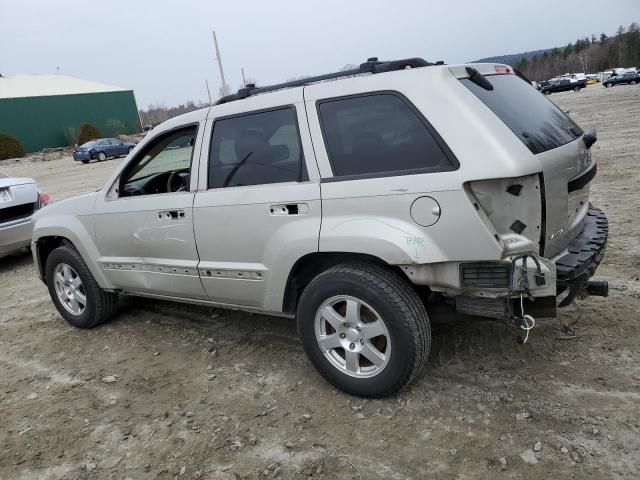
372,65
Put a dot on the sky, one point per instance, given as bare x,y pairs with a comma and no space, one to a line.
163,49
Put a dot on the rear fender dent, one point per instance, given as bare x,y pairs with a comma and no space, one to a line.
396,242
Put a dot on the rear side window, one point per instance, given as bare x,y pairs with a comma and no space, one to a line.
257,148
380,134
534,119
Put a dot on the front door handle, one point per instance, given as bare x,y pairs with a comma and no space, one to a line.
170,215
288,209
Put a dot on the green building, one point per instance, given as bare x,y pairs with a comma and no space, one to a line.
40,110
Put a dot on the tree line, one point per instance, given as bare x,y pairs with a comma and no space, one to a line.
587,55
158,113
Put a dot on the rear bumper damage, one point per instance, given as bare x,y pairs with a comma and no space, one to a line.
536,283
576,265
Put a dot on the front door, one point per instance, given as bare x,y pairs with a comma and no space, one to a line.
144,225
257,210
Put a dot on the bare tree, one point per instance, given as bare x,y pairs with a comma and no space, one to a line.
115,127
156,114
72,134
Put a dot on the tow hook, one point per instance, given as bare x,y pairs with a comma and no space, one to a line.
598,288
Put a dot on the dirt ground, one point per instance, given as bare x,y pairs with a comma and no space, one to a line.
170,391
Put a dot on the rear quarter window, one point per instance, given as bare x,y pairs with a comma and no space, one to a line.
380,134
536,121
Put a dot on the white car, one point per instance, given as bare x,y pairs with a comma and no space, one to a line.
19,199
353,205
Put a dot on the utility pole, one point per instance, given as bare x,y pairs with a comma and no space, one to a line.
208,91
244,81
224,83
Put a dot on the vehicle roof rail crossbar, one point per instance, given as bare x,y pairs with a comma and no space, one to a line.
372,65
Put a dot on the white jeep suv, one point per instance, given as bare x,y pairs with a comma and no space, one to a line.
351,204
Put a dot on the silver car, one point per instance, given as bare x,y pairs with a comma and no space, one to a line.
19,199
356,206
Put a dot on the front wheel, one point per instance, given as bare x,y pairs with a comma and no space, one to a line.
74,291
607,85
364,329
547,92
85,161
576,89
102,156
633,82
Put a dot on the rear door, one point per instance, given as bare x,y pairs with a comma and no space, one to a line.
257,210
104,146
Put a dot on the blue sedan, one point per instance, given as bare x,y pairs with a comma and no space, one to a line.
101,149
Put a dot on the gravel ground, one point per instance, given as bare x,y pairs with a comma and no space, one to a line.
170,391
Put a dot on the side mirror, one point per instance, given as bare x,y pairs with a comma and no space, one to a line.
280,152
589,138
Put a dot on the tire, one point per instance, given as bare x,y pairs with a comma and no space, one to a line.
99,306
633,82
401,347
607,85
85,161
576,89
102,157
547,92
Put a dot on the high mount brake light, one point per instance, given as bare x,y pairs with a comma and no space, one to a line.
502,70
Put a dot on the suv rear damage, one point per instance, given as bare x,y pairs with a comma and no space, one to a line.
355,205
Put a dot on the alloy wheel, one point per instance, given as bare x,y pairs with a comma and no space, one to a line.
352,336
69,289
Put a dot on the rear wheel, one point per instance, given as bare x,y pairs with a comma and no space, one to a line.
633,82
547,92
74,291
364,329
608,85
576,89
102,156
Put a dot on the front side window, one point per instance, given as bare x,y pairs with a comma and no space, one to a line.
379,133
255,149
163,166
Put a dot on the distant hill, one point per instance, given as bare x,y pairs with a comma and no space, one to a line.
512,58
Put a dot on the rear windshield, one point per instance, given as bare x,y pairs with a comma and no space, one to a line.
535,120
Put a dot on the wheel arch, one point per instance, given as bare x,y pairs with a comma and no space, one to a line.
309,266
48,238
43,248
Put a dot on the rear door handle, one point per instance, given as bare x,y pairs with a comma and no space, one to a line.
288,209
165,215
